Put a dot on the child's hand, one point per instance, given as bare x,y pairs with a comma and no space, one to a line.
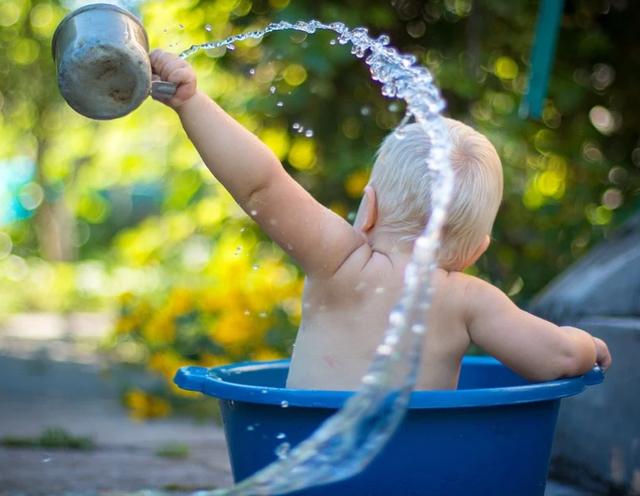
603,357
169,67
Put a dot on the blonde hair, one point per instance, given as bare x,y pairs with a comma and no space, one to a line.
403,188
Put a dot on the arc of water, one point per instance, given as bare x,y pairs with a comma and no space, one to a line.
346,442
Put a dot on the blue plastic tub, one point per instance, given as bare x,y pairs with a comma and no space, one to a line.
490,437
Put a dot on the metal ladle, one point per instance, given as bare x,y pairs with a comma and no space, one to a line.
102,61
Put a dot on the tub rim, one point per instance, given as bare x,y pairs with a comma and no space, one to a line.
213,382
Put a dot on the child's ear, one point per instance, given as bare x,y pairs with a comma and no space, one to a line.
473,258
368,211
482,247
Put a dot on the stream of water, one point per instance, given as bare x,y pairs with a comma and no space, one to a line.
348,440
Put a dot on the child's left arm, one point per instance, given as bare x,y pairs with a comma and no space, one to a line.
317,238
535,348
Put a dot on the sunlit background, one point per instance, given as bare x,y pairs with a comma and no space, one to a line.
121,220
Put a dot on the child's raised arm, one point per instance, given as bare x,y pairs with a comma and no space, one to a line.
313,235
531,346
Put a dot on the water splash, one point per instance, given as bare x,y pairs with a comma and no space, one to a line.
346,442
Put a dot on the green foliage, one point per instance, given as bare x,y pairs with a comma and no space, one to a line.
53,437
174,450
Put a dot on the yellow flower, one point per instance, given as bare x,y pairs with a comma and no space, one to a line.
235,330
165,363
180,301
126,324
160,329
209,360
126,299
267,354
144,406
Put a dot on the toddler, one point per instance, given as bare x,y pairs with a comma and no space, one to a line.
354,274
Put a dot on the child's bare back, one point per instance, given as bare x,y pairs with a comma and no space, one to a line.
346,317
355,273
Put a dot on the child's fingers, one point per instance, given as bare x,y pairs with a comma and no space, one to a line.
183,77
180,75
171,67
603,355
160,61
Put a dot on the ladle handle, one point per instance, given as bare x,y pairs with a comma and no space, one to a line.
163,90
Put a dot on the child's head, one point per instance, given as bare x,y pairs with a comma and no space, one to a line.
402,185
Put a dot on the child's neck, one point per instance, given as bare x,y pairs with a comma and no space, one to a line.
388,243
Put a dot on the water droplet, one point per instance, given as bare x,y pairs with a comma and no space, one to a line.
281,435
284,404
332,42
418,329
400,133
272,89
396,318
369,379
231,47
254,213
282,451
308,133
295,126
393,107
208,27
384,349
365,111
280,104
47,458
252,71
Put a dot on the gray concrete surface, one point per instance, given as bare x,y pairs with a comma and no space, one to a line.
51,376
36,395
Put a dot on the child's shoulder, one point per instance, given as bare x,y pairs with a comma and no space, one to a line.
466,290
477,296
468,282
